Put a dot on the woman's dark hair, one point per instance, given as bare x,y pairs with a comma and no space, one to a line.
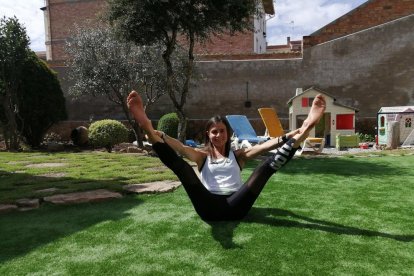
215,120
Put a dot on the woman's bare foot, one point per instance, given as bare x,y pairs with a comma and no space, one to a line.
314,116
136,107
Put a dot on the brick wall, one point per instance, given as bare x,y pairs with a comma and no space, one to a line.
228,44
64,14
369,14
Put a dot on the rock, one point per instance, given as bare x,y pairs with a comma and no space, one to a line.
152,187
79,136
81,197
25,204
5,208
134,150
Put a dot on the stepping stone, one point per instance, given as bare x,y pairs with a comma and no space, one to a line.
26,204
5,208
152,187
156,169
82,197
48,190
53,175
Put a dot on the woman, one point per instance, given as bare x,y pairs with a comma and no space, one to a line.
220,194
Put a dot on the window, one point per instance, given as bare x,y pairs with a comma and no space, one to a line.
306,102
310,101
345,121
382,123
408,122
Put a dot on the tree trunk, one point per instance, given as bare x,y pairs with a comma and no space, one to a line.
137,130
138,133
182,126
11,127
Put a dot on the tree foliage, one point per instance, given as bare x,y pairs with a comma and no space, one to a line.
102,64
14,46
30,94
147,22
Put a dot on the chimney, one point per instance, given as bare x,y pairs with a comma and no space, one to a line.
299,91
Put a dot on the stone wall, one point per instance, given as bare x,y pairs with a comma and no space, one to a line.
366,70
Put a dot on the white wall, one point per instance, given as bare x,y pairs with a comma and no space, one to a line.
259,31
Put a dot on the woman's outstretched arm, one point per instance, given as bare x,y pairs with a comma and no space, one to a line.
248,153
135,105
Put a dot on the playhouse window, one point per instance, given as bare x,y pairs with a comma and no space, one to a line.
408,122
345,121
306,102
382,123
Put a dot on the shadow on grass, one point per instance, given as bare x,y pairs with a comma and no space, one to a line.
23,232
346,166
223,231
343,166
17,185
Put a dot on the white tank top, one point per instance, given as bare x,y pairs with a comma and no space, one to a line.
221,176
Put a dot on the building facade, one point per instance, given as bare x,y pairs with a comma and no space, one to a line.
61,16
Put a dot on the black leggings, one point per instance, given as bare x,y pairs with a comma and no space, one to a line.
213,207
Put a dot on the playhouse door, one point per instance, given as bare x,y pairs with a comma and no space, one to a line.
322,129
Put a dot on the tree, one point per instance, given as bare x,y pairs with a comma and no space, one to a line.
41,101
101,64
146,22
14,47
30,94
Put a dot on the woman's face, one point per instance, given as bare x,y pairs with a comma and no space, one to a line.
218,134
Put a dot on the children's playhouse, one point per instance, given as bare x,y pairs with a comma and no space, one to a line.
404,115
338,118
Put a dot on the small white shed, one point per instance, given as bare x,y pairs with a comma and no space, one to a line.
338,118
404,115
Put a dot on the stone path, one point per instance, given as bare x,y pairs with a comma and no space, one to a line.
89,196
153,187
82,197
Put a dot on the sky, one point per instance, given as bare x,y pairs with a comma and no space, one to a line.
293,18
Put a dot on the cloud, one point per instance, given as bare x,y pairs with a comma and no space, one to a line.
303,17
30,16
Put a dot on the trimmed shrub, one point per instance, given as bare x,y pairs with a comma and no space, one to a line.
41,101
168,123
107,133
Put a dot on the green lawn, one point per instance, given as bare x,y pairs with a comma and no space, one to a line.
330,216
22,175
